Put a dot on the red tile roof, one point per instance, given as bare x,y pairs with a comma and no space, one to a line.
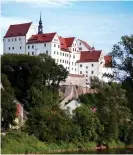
87,56
40,38
63,45
86,45
76,75
69,41
108,61
18,30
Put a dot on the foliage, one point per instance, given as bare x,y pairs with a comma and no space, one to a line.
122,56
24,71
8,106
49,125
89,124
25,144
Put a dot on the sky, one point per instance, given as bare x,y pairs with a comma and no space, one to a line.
99,23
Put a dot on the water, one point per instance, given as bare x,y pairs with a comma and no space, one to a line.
107,151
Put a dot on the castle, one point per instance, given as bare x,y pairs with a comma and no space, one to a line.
77,56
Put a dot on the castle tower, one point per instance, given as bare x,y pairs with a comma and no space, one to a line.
40,27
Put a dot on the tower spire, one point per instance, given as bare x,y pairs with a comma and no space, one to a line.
40,27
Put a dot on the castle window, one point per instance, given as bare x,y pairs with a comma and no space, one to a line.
92,72
79,43
9,48
19,38
74,57
86,71
63,61
47,52
72,63
32,53
80,72
57,53
63,54
13,48
73,49
60,60
75,69
44,44
28,53
28,47
58,46
54,52
15,39
92,65
20,47
54,45
8,40
12,39
80,48
80,65
72,68
32,46
86,67
57,60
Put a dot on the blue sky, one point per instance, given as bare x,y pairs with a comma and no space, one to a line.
99,23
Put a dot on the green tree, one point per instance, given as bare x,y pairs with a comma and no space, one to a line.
49,125
25,71
112,109
8,106
122,56
89,124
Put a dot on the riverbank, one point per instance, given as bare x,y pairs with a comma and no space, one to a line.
22,143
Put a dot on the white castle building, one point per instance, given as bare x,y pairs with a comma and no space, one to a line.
74,54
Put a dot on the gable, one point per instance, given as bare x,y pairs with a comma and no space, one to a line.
18,30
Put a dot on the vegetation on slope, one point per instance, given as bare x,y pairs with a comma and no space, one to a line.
35,81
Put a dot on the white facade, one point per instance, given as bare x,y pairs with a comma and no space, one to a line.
68,58
81,46
15,45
